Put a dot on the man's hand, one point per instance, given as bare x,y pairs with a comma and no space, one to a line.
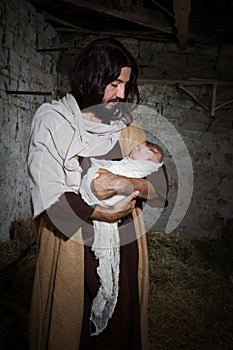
122,208
108,184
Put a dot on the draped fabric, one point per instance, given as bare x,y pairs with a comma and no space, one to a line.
58,134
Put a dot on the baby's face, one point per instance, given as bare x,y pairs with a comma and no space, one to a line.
142,152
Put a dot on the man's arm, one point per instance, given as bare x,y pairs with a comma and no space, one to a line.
159,180
70,213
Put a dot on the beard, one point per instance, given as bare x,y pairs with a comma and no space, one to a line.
106,114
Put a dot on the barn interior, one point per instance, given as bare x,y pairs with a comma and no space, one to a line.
184,51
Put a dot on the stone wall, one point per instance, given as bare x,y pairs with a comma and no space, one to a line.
23,31
209,142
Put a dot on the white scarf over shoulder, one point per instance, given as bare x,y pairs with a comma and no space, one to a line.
58,133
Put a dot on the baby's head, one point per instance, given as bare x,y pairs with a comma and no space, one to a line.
147,151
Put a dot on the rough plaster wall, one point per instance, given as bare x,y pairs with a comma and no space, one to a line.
209,141
210,145
22,31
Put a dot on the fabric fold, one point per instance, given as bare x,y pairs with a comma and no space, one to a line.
107,251
58,133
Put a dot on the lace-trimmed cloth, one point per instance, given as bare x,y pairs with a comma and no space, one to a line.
106,245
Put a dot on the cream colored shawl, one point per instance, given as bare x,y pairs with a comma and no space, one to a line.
58,133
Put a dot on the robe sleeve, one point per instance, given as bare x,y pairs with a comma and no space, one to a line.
69,214
159,180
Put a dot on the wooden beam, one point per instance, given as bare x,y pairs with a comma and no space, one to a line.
54,49
77,29
20,92
196,82
119,32
193,97
182,10
213,100
224,104
191,82
65,23
142,16
213,108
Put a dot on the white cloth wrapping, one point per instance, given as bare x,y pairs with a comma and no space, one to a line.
58,133
106,245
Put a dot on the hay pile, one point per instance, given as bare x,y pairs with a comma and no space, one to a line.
17,266
191,293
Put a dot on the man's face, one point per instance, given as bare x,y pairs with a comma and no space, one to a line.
115,91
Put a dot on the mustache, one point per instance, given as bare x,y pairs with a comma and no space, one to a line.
114,100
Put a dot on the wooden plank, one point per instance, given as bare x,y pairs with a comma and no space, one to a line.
195,82
182,10
190,82
65,23
224,104
77,29
20,92
194,97
142,16
213,100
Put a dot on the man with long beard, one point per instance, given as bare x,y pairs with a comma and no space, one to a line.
91,121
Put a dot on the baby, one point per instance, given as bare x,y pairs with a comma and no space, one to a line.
143,160
146,151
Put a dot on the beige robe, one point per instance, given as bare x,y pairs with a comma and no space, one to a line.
58,293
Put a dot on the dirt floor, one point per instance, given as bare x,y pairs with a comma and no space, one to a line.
191,291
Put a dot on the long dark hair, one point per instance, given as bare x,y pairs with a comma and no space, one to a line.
98,65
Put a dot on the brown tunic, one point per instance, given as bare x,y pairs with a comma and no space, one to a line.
123,329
